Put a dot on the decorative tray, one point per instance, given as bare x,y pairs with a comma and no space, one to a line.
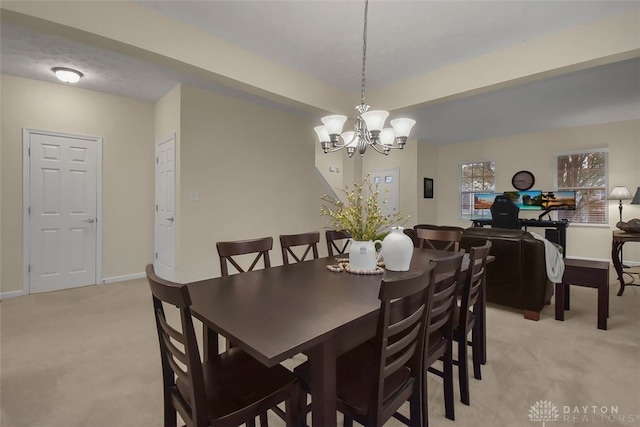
633,226
343,265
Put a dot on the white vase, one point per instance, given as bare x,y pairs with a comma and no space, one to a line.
397,250
362,255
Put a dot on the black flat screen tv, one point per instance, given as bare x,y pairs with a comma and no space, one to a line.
530,200
557,200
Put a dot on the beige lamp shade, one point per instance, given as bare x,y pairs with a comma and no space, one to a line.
636,198
620,193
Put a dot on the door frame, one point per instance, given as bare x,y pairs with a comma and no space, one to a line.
26,199
173,137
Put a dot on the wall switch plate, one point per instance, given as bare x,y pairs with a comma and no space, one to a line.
194,195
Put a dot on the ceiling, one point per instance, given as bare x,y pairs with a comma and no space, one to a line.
323,40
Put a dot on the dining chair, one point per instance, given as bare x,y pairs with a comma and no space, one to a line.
446,240
309,241
440,327
471,317
228,250
376,378
231,388
338,241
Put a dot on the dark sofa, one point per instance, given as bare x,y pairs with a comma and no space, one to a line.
518,276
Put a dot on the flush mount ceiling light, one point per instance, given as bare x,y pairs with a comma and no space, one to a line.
67,75
369,127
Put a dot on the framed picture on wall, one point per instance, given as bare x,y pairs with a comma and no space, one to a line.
428,188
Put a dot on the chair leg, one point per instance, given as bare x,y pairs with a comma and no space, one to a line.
415,408
476,351
448,382
170,414
463,367
264,422
347,422
481,320
295,408
251,423
424,401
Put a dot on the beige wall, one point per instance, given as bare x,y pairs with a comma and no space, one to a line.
427,168
126,127
535,152
253,168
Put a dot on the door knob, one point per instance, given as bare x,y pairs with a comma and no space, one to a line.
170,219
90,220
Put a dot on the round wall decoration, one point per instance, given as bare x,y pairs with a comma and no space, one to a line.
523,180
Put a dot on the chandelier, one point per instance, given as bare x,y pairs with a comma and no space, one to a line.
368,129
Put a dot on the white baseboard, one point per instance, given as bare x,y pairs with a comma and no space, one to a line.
629,263
12,294
124,278
590,259
115,279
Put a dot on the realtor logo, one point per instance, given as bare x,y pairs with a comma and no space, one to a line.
543,410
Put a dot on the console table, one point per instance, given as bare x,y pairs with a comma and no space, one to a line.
559,235
619,239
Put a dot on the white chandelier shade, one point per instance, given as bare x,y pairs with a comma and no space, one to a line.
368,130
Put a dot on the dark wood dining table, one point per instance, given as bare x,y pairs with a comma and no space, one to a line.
276,313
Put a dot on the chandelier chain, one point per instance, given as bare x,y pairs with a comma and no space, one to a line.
364,49
368,127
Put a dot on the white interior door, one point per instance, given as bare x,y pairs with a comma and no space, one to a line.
389,188
165,208
62,211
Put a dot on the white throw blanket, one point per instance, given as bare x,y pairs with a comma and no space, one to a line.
553,259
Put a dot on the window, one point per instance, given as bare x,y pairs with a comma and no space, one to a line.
479,177
585,173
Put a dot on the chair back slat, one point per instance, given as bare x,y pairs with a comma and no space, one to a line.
170,334
228,250
474,282
179,366
446,240
308,242
399,340
440,317
337,242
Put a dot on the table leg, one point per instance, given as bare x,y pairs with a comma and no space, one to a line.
603,305
616,247
560,301
210,342
322,360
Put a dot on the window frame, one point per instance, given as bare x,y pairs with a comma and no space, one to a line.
569,215
471,214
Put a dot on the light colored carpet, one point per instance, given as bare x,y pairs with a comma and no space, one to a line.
89,357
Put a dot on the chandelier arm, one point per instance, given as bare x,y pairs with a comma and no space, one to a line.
336,148
384,151
394,147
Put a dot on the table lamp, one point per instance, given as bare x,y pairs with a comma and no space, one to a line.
636,198
620,193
